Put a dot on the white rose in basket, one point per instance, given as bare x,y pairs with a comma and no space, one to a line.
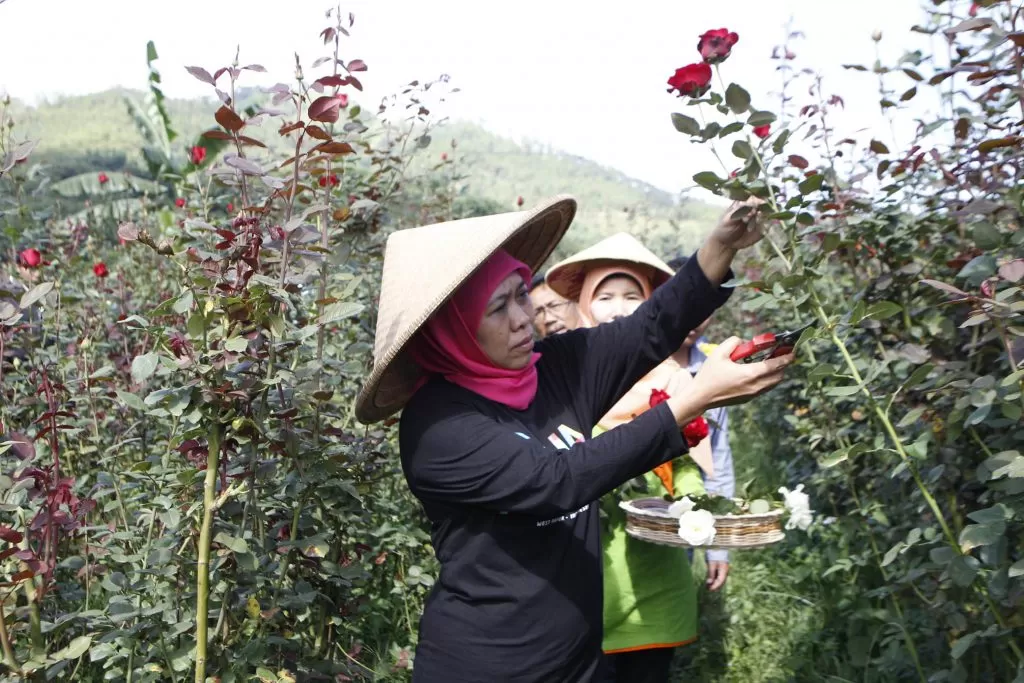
697,527
680,507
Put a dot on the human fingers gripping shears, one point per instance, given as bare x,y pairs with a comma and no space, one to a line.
768,345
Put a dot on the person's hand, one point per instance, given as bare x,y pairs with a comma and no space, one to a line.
722,382
740,226
718,572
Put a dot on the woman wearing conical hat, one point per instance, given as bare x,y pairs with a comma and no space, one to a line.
492,436
650,600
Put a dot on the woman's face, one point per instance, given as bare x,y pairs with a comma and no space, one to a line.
616,297
506,329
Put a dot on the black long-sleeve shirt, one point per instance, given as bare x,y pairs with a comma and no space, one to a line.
511,495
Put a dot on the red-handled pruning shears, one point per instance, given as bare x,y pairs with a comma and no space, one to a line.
767,345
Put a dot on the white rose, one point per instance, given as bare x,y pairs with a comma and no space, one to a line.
796,500
697,527
800,519
681,506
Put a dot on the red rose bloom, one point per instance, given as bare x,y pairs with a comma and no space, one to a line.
198,154
31,258
763,131
695,432
180,202
102,177
973,11
692,80
100,270
714,46
333,179
658,396
519,201
231,207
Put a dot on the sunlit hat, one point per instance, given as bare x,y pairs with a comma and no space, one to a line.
566,277
424,266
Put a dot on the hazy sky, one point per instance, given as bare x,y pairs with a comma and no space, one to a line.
587,77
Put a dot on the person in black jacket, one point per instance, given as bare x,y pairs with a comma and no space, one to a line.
493,437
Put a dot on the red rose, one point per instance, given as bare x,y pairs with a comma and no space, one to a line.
714,46
100,270
763,131
973,11
658,396
695,432
31,258
231,207
198,154
102,177
692,80
180,202
333,179
519,201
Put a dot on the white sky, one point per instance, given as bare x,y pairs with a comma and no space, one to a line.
587,78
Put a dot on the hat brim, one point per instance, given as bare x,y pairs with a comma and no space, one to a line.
566,277
529,236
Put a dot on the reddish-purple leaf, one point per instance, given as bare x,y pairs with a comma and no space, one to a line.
284,130
315,131
229,119
10,535
246,140
243,165
357,65
328,35
219,72
333,81
354,82
334,148
255,67
22,575
798,161
201,74
216,135
327,108
1012,271
21,446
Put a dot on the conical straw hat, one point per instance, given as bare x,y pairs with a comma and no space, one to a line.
424,266
566,277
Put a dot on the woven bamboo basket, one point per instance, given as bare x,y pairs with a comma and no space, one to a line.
647,519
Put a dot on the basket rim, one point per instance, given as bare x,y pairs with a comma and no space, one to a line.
628,506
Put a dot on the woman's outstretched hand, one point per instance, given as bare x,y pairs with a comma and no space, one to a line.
722,382
740,226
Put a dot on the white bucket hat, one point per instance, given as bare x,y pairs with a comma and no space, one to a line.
566,276
424,266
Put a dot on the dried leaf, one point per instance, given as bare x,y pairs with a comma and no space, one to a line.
878,147
284,130
989,145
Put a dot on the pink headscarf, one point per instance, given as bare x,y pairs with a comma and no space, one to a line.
447,346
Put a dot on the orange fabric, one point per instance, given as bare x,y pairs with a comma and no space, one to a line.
638,398
652,646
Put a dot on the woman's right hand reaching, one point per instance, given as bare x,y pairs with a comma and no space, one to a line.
722,382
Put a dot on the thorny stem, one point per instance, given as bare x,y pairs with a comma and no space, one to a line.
5,640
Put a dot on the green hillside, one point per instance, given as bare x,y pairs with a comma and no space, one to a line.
95,132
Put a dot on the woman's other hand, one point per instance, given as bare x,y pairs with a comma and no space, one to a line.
739,227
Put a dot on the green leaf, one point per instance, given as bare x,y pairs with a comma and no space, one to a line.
144,366
996,513
686,124
942,555
911,417
820,372
780,142
963,569
236,344
184,303
131,400
962,645
809,185
76,648
737,98
836,457
892,553
843,391
708,180
760,118
235,545
987,236
1017,569
976,535
35,294
979,415
196,325
919,375
734,127
742,149
882,310
340,311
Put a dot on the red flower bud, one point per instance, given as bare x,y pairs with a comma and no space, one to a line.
716,45
100,270
198,155
763,131
102,177
658,396
180,202
519,201
31,258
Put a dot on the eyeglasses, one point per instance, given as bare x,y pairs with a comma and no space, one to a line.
555,309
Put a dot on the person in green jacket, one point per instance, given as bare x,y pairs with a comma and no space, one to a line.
650,600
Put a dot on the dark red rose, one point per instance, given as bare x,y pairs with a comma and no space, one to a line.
715,45
198,155
231,207
180,202
695,432
763,131
658,396
100,269
973,11
102,177
692,80
333,180
519,201
31,258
